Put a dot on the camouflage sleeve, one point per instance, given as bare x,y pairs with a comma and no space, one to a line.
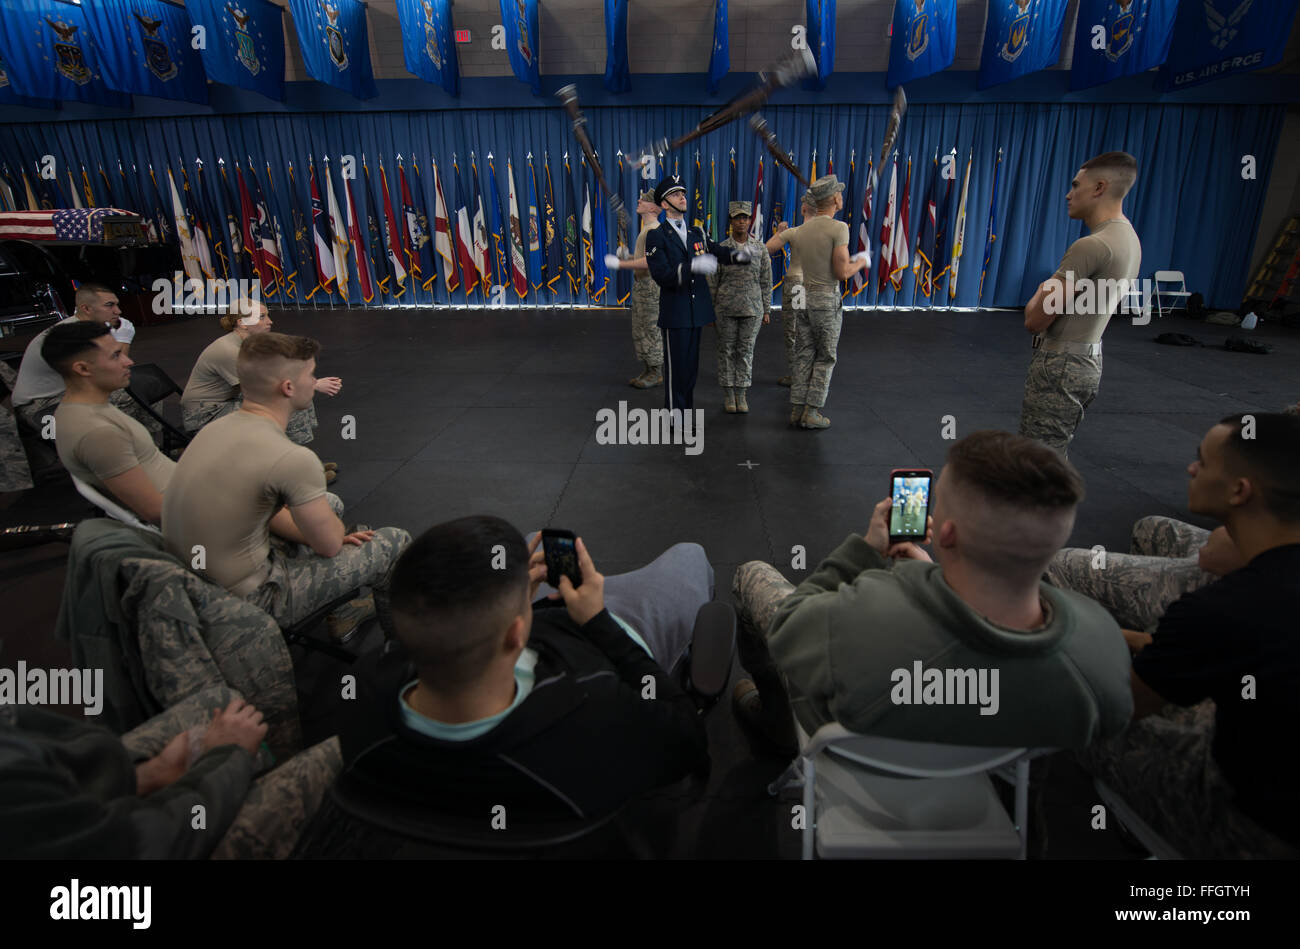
765,281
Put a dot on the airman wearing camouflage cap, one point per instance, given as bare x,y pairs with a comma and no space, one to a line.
740,296
646,338
822,244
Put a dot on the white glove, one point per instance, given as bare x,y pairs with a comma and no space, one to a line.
861,255
705,264
742,256
125,331
612,262
623,253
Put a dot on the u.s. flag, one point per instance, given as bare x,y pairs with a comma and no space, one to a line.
72,224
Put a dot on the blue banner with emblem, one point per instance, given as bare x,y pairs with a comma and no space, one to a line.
519,17
924,39
1020,37
50,52
1115,38
1217,38
243,43
821,40
617,77
151,50
720,58
334,42
9,97
428,43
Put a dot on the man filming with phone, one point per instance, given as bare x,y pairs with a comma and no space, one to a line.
849,639
509,692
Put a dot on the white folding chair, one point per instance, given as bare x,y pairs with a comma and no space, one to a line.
1159,848
1178,296
865,797
111,508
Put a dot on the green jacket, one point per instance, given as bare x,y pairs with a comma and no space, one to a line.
850,637
68,790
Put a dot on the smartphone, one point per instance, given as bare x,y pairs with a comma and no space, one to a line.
561,550
909,494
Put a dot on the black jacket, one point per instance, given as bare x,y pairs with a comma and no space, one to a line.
684,300
582,744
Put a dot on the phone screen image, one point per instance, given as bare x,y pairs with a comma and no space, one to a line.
562,560
911,504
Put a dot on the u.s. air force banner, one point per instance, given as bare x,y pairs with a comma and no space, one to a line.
1116,38
335,45
428,45
924,39
146,48
519,17
1215,38
243,43
50,52
1020,37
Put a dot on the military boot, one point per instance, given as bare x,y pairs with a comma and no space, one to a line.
814,419
796,414
347,619
742,406
654,376
729,404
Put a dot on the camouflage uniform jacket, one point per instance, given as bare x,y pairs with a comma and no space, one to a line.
744,289
162,633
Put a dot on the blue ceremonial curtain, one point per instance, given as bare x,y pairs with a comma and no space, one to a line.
244,43
924,40
158,58
1216,38
1020,38
428,45
50,52
617,76
519,17
720,58
1182,151
1120,38
333,37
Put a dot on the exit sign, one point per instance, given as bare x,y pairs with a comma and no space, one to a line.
462,36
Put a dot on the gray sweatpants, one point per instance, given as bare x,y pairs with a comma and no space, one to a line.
661,599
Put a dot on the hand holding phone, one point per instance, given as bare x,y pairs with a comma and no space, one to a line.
587,601
560,548
909,495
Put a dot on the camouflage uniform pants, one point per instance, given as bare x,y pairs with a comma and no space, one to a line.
788,331
1137,588
736,338
759,589
646,339
297,586
817,334
278,804
1164,769
301,428
33,413
1058,390
15,471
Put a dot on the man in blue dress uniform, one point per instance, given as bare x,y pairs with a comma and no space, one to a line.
680,257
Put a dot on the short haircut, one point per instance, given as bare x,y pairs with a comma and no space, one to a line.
264,360
451,605
1119,169
66,343
1016,503
1270,460
89,293
240,309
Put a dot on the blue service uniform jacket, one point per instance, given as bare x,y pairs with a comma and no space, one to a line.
684,301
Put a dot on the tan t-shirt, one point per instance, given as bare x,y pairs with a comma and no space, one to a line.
814,242
639,251
97,442
233,477
214,378
1109,259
